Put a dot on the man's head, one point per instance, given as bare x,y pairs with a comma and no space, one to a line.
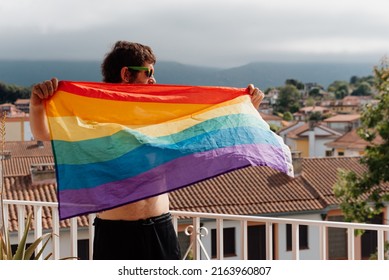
115,67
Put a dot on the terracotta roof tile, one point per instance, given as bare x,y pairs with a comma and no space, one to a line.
268,117
322,174
351,140
343,118
29,148
251,190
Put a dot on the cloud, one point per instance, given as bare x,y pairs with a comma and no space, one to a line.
217,32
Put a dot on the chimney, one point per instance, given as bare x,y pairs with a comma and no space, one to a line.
5,154
297,162
43,173
40,144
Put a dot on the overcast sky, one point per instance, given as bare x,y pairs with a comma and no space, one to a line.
221,33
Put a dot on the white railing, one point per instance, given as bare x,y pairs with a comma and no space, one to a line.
196,231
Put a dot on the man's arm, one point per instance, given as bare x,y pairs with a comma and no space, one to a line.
38,120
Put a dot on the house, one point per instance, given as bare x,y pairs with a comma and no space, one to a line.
249,191
23,105
349,104
17,123
350,144
310,138
304,113
269,101
273,120
283,132
343,123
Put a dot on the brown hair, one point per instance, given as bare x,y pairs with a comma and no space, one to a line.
123,54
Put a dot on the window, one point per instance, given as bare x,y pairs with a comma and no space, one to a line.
337,240
303,237
329,153
369,238
256,242
228,242
14,247
184,241
83,249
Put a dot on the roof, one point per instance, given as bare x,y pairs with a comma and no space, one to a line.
247,191
321,130
343,118
309,109
11,111
290,126
268,117
351,140
321,174
355,100
24,154
21,101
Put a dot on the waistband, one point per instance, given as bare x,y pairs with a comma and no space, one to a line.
149,221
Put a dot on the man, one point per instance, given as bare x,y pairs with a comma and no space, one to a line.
139,230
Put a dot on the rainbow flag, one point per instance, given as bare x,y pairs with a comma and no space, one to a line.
115,144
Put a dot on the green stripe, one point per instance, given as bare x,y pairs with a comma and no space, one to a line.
110,147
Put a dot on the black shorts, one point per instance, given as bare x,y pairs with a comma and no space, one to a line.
149,239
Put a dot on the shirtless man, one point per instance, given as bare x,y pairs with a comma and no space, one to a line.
139,230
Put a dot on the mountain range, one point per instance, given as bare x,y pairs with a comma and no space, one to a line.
262,74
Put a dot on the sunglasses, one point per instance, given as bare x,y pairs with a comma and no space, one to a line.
149,71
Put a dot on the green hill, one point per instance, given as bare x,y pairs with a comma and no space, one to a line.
263,75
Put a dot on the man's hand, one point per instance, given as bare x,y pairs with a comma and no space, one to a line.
256,95
38,121
43,91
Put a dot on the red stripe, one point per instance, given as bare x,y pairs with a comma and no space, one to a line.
153,93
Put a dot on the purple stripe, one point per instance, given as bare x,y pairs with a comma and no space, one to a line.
168,177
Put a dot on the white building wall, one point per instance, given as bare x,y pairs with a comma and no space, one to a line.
320,146
27,132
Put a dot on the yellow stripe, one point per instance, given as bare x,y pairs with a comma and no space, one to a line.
78,130
64,104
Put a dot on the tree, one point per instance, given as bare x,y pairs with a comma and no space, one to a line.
10,93
354,80
299,85
287,116
363,196
339,88
310,101
288,99
341,92
336,84
363,89
315,92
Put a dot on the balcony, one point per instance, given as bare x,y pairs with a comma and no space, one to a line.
196,227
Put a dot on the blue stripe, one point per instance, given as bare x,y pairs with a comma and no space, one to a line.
148,157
